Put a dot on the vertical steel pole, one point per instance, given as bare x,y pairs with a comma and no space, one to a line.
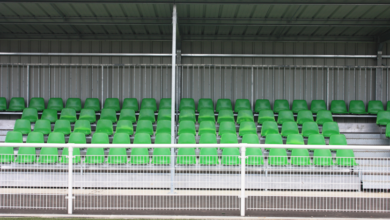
70,180
173,104
252,91
28,85
327,88
101,101
243,158
379,76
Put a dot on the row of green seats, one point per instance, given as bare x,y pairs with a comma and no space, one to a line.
302,117
271,127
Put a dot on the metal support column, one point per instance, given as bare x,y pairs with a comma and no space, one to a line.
173,103
70,180
28,85
379,74
242,194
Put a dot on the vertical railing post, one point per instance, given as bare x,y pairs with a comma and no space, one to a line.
173,103
70,180
243,158
102,86
28,85
327,88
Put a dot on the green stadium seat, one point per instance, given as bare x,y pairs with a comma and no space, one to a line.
338,107
208,156
223,104
74,138
140,155
324,116
87,114
288,128
229,138
62,126
68,114
50,114
357,107
316,139
50,154
82,126
304,116
285,116
144,126
227,127
207,127
118,155
164,114
383,118
96,155
247,128
165,103
242,104
7,153
225,115
273,139
322,157
300,157
330,128
3,104
295,139
108,114
186,156
56,104
345,158
187,115
37,103
388,106
277,157
265,115
130,103
74,103
338,139
187,127
43,126
147,114
208,138
310,128
281,105
124,126
104,126
92,103
162,155
388,131
299,105
23,126
269,127
317,105
230,156
374,107
205,104
262,104
245,115
206,115
112,103
128,114
254,154
187,103
149,103
163,127
16,104
30,114
28,154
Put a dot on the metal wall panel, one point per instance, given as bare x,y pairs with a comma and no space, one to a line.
13,81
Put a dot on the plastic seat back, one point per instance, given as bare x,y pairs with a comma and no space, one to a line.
375,106
74,103
245,115
162,138
187,127
130,103
74,138
23,126
140,155
50,114
147,114
162,155
281,105
207,127
338,139
310,128
68,114
269,127
330,128
16,104
96,155
187,103
317,105
30,114
164,114
7,153
3,104
88,114
262,104
225,115
28,154
223,104
144,126
299,105
383,117
55,104
124,126
208,138
92,103
205,104
105,126
229,138
316,139
324,116
37,103
357,107
62,126
186,156
265,115
250,139
149,103
289,128
163,126
206,115
127,114
118,155
242,104
112,103
304,116
227,127
295,139
43,126
247,127
165,103
187,115
82,126
108,114
338,107
50,154
285,116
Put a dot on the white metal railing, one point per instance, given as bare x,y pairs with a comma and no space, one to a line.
360,185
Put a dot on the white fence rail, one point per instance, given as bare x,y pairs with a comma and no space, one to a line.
224,182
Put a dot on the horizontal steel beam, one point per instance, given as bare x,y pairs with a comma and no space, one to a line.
90,54
130,37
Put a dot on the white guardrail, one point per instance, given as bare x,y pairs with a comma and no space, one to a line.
224,181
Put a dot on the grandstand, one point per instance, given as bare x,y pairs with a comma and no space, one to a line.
195,105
